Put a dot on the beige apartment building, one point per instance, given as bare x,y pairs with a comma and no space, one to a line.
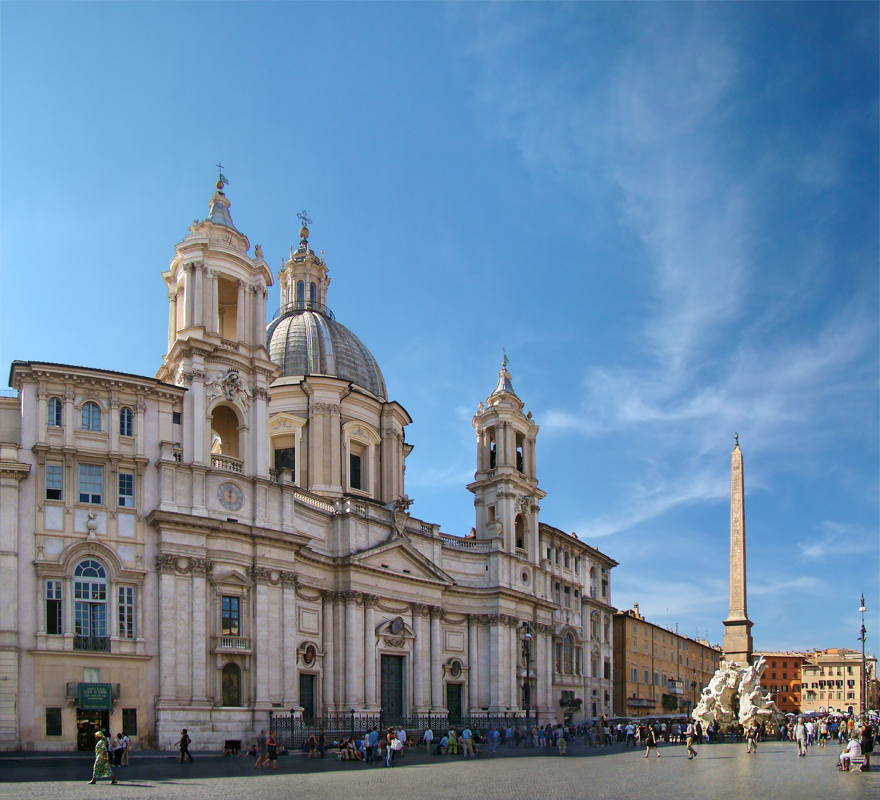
833,680
658,671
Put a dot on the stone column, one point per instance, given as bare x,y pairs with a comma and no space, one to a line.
165,566
240,332
114,425
329,667
354,638
198,310
262,649
201,569
215,302
172,317
69,419
43,412
421,659
436,665
371,700
290,687
473,664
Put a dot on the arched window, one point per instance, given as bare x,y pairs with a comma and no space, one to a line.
126,422
568,655
300,294
231,685
54,420
520,528
90,607
91,417
313,294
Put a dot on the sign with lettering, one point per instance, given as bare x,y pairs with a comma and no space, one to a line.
95,696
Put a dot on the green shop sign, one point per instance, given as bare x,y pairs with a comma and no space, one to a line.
95,696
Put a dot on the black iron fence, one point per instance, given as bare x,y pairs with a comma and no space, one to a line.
292,731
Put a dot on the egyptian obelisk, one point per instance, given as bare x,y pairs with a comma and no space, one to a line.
737,627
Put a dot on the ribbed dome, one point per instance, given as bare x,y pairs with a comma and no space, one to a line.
307,342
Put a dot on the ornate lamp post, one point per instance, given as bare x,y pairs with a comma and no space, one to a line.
863,706
527,657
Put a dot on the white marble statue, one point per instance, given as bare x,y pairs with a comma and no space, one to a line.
743,683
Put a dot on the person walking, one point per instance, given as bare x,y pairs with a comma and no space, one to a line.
752,738
800,735
184,743
272,748
262,759
690,736
651,741
102,768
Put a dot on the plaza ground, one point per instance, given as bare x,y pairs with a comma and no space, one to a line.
720,772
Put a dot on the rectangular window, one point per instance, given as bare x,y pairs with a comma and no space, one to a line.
91,675
126,490
54,420
126,612
175,418
54,482
231,617
656,679
646,648
567,594
665,680
285,458
354,471
53,722
634,645
91,484
129,722
54,606
647,677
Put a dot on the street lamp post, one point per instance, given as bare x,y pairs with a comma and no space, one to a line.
527,655
694,689
864,681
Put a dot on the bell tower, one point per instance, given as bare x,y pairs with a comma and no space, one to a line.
217,344
505,485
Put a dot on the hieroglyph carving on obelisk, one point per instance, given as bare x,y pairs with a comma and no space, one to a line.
737,635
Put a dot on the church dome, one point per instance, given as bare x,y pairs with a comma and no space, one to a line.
310,342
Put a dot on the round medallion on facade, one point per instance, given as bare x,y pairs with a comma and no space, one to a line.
397,625
455,669
230,496
309,655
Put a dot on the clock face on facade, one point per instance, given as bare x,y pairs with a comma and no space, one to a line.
230,496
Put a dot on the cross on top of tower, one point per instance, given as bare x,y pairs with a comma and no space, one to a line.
304,218
221,180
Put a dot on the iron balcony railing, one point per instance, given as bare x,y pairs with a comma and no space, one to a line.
94,644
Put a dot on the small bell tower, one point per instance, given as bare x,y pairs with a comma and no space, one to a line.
505,485
303,279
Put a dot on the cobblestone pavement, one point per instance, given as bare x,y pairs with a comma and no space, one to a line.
719,772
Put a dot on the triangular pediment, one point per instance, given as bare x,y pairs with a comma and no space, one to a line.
400,558
232,578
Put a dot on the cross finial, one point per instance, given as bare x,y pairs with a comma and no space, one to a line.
222,180
304,218
736,438
504,360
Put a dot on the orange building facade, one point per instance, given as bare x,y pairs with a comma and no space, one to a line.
782,679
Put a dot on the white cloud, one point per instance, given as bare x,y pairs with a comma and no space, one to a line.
837,540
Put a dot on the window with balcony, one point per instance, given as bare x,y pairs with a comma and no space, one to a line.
231,616
90,607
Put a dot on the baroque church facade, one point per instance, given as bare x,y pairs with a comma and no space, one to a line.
232,537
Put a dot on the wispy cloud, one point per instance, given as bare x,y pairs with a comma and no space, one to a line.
837,540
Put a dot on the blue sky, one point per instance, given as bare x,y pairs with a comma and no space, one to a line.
667,213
